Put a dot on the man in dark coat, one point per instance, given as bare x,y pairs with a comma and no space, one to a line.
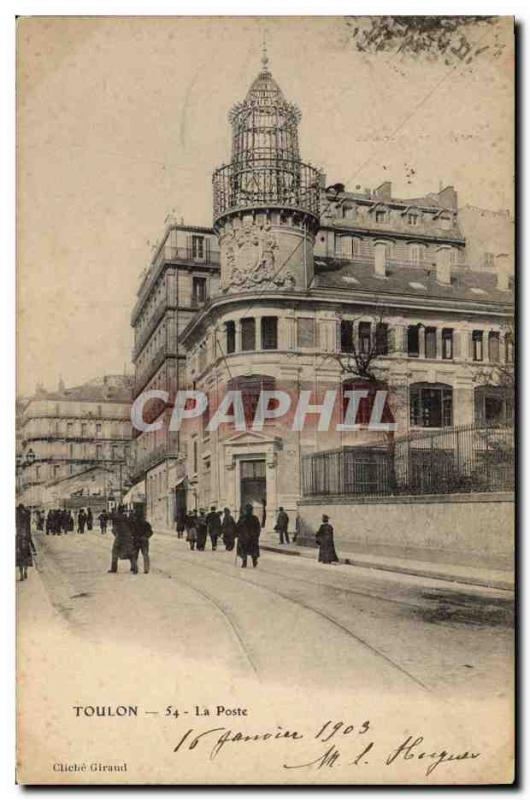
228,529
103,521
202,529
89,519
213,523
123,545
24,543
324,538
248,530
81,521
142,532
282,525
180,522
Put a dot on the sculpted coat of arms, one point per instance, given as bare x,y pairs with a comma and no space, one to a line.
249,254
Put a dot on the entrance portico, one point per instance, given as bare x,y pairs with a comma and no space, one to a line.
240,483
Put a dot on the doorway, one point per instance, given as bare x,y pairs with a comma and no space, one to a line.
253,488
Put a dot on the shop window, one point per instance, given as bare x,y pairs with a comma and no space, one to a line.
269,333
431,405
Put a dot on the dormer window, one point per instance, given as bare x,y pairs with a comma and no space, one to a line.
412,218
446,221
380,215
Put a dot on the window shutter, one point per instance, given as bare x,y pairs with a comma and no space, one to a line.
189,240
207,249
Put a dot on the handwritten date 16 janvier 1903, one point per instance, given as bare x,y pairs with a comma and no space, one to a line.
358,752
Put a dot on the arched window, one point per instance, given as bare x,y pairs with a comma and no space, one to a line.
251,387
431,405
365,404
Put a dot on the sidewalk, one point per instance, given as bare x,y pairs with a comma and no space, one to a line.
473,576
456,573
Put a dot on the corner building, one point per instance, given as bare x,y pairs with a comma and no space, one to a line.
308,273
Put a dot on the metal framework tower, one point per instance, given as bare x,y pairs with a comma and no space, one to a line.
266,185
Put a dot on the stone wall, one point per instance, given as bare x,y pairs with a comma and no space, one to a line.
459,529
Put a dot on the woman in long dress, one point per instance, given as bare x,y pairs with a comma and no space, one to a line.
326,546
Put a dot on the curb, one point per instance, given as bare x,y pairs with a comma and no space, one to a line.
421,573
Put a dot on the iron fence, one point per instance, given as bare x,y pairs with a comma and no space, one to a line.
453,460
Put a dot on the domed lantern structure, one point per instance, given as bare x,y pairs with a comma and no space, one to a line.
266,201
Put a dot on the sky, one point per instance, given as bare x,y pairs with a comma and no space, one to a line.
122,120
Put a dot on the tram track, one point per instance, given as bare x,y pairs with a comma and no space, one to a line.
312,609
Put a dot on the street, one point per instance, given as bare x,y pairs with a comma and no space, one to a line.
280,622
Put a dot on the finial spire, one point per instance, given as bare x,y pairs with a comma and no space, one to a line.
264,56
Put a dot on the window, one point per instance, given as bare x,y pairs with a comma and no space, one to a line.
430,342
205,419
493,405
365,404
83,429
269,333
431,406
251,387
197,247
381,339
230,328
37,473
99,452
69,428
447,343
306,332
253,470
98,429
365,336
508,346
412,218
346,336
413,341
488,260
199,291
445,222
248,334
493,346
478,346
115,453
380,215
195,455
415,253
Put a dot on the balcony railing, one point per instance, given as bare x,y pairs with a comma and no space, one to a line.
147,460
155,363
284,183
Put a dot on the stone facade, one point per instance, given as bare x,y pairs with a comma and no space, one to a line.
71,430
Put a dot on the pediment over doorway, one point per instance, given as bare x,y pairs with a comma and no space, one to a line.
245,438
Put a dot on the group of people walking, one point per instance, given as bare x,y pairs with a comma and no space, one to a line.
199,526
61,520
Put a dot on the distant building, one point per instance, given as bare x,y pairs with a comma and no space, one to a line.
183,274
66,432
309,273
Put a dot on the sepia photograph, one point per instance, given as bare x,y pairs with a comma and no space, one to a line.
265,402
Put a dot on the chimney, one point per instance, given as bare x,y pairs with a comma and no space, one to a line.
443,265
503,274
384,191
448,197
380,258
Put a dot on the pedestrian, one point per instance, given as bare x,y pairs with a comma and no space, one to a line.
48,522
180,522
71,524
228,529
123,546
81,521
103,521
213,523
40,520
282,526
191,529
248,530
64,520
324,538
25,549
202,530
89,519
142,532
263,511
